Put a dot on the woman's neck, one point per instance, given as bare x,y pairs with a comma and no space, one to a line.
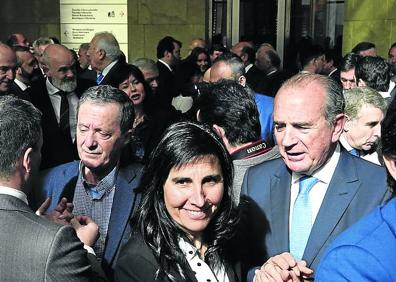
199,244
139,116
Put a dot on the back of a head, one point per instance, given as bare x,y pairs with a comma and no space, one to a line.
273,58
250,52
228,105
362,46
166,44
106,41
104,94
349,61
236,64
42,41
20,129
388,140
358,97
145,64
309,53
217,47
374,71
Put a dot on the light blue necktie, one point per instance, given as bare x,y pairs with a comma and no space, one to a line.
99,78
355,152
302,218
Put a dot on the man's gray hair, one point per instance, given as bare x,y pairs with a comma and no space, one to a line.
107,42
358,97
42,41
84,46
235,63
20,129
335,103
104,94
145,64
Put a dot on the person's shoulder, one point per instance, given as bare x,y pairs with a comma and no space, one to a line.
136,249
268,166
61,170
363,167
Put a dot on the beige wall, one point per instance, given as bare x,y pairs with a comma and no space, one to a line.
148,22
370,20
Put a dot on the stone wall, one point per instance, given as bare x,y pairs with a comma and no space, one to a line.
148,22
369,20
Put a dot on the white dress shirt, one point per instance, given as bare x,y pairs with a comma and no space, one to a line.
14,193
373,157
203,272
21,85
168,66
318,191
56,104
108,68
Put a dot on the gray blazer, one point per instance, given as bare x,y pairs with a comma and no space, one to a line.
35,249
356,188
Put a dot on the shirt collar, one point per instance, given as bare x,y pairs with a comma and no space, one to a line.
326,171
345,143
168,66
52,90
14,193
108,68
21,84
386,94
105,184
248,67
187,249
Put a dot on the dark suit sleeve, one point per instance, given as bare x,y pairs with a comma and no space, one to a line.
67,259
136,262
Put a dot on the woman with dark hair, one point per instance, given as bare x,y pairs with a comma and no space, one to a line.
186,217
150,122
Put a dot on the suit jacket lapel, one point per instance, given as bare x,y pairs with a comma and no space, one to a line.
280,202
342,188
123,202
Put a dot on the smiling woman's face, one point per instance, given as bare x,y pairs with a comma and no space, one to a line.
134,89
193,193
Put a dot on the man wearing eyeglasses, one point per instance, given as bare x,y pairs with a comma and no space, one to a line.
7,68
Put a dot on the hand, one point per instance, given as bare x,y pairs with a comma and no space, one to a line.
284,267
87,230
62,213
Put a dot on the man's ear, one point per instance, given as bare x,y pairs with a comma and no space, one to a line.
27,160
348,123
18,71
361,83
242,80
338,124
219,130
390,164
198,116
102,54
45,68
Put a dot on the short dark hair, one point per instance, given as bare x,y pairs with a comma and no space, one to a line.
184,143
374,71
104,94
273,58
309,53
17,49
250,52
388,140
166,44
20,129
12,40
349,61
217,47
362,46
228,104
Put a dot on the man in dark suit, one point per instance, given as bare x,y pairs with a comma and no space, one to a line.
105,57
41,250
298,205
27,71
168,55
101,185
245,51
57,98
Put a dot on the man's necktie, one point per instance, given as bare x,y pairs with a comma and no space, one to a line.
302,218
355,152
99,78
64,122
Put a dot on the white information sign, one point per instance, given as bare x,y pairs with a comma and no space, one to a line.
81,19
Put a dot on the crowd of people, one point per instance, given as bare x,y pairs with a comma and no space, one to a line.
218,167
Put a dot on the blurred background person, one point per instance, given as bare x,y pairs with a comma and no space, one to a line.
347,68
150,72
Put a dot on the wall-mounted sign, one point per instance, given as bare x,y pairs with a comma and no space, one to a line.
81,19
